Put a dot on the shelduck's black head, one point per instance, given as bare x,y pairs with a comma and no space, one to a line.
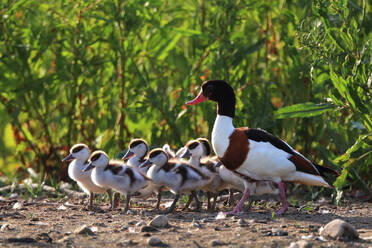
220,92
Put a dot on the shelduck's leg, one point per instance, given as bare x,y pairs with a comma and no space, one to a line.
283,197
127,201
173,206
116,202
91,198
109,193
239,207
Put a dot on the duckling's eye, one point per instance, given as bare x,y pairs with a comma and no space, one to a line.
77,149
193,145
95,157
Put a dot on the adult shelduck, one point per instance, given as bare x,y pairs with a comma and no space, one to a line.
79,154
255,154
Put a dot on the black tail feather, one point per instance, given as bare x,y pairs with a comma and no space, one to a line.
325,170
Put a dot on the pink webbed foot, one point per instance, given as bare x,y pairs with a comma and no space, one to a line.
239,207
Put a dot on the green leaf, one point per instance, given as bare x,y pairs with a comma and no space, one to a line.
358,144
307,109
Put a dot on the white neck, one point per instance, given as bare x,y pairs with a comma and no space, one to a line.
134,161
222,129
194,160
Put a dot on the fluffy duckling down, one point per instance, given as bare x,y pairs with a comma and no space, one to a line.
79,154
176,175
116,175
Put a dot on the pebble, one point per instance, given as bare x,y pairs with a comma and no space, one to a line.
149,229
221,216
340,230
242,222
159,221
278,232
300,244
154,241
216,242
132,223
62,208
84,230
17,205
195,225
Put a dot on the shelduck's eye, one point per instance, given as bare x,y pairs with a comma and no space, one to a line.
193,145
208,90
77,149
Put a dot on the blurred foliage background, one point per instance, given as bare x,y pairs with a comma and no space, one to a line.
102,72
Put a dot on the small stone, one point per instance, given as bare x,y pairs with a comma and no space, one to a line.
242,222
300,244
21,240
340,230
221,216
159,221
217,228
132,223
195,225
13,195
149,229
278,232
17,205
62,208
308,237
216,242
154,241
84,230
124,228
44,237
251,221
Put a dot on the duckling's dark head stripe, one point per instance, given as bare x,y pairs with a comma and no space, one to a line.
207,145
95,157
155,153
78,148
137,142
192,145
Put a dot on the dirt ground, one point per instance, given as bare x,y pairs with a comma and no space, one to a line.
48,222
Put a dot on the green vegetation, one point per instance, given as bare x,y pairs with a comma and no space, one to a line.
102,72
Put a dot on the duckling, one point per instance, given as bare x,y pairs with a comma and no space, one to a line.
198,150
79,154
116,175
137,150
178,176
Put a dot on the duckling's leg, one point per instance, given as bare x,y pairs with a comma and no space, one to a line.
213,207
208,200
198,203
187,205
173,206
109,193
239,207
127,201
116,202
91,198
159,199
283,197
